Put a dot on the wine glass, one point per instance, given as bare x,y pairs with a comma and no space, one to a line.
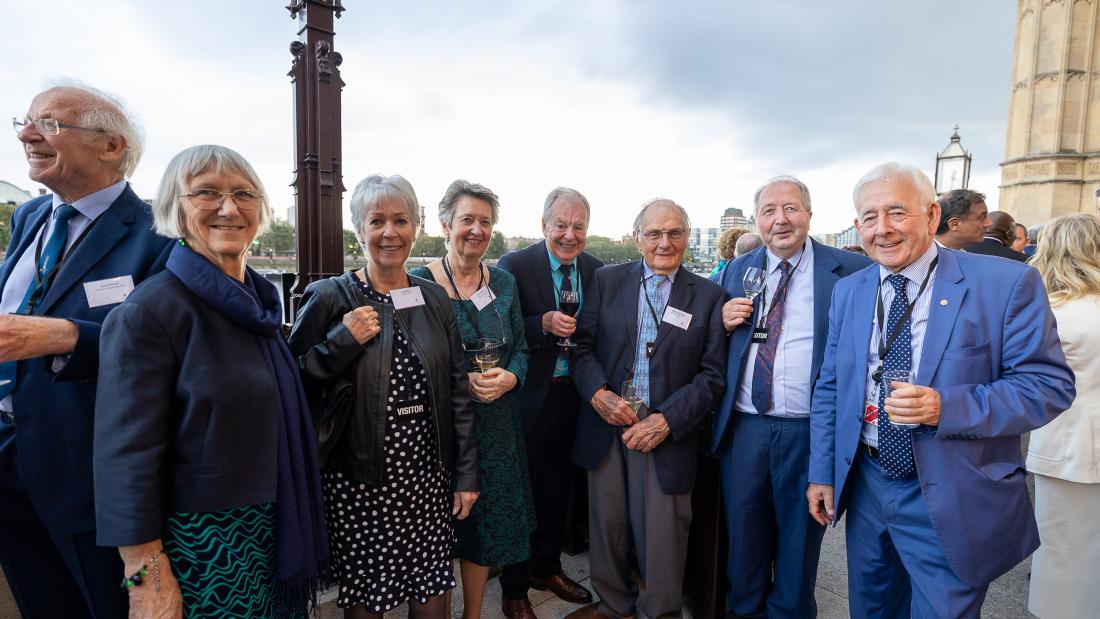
487,354
629,394
754,281
889,377
569,302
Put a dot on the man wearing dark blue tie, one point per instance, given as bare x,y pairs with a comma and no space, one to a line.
762,425
930,475
72,257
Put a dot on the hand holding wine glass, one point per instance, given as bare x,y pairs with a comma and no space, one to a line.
487,353
754,282
629,393
569,302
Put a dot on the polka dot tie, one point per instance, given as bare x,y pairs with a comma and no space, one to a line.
895,444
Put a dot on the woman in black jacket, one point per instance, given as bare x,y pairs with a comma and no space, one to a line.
408,442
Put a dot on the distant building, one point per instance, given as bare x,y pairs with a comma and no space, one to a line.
847,237
829,238
703,243
734,218
10,194
518,242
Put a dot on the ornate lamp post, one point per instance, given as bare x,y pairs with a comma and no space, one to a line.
318,182
952,166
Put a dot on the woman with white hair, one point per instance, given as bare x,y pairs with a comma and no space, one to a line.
1064,455
405,460
206,475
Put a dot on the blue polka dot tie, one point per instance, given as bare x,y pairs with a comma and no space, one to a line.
895,445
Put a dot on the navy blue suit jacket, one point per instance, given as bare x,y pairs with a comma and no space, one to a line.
54,412
829,266
535,284
687,371
991,351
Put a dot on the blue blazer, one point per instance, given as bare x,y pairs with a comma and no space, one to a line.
535,286
991,350
830,265
687,371
54,412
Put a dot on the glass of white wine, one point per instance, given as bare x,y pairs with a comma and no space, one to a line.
754,281
629,394
487,353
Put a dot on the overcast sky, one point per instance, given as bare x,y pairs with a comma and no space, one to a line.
624,100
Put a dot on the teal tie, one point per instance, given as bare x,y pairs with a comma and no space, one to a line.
47,263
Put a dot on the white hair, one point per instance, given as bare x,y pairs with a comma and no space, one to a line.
564,192
893,171
377,189
168,217
108,113
664,202
803,190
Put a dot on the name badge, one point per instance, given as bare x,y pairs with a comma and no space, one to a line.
759,335
870,413
676,318
407,297
482,298
108,291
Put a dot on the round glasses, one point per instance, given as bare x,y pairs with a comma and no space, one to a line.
212,199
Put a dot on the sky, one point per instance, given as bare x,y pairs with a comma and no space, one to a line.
624,100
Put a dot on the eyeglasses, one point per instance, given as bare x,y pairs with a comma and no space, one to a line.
211,199
46,126
654,236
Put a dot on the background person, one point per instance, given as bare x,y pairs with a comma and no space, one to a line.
727,249
194,367
484,301
92,233
1064,455
998,238
407,460
1020,242
964,217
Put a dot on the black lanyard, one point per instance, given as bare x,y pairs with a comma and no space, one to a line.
402,382
41,280
470,316
885,343
652,310
764,316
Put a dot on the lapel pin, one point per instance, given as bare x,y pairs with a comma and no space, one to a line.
943,301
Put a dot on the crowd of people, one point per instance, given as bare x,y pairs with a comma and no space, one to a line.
166,452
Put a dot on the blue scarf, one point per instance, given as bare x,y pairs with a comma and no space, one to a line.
301,542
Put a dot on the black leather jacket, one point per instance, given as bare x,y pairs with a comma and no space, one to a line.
326,350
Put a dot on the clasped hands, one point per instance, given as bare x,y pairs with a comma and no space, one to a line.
642,435
489,385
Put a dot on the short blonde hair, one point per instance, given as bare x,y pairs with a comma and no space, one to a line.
727,242
1068,257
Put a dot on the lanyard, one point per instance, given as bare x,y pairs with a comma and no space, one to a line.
652,310
470,316
41,280
885,343
401,378
764,316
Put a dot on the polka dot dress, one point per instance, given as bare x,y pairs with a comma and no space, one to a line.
394,542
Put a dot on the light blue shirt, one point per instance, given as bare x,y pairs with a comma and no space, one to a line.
88,209
562,366
642,306
794,351
915,273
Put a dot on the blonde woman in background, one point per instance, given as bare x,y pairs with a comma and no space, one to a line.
1065,454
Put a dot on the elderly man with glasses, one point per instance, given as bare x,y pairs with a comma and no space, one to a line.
73,256
650,364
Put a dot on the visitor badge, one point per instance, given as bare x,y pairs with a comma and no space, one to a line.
482,298
407,297
108,291
759,335
677,318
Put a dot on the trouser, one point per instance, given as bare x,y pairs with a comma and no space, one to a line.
549,460
52,574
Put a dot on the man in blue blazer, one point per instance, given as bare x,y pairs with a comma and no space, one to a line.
762,426
72,257
658,325
548,400
938,508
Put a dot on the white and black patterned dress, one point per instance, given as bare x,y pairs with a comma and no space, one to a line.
394,542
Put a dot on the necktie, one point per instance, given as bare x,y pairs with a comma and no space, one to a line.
657,292
895,445
47,261
763,368
566,281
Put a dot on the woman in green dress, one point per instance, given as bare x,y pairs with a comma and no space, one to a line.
485,303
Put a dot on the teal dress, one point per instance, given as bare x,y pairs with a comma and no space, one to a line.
499,527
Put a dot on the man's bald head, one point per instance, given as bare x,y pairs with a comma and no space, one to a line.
1001,227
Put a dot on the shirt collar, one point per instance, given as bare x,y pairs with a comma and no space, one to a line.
648,272
795,260
916,271
94,204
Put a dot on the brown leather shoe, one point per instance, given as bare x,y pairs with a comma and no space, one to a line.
592,611
563,587
517,609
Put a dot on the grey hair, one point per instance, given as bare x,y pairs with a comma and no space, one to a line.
746,243
377,189
803,190
168,217
564,192
109,114
460,188
654,202
892,170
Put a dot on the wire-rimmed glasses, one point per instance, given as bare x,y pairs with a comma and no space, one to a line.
46,126
212,199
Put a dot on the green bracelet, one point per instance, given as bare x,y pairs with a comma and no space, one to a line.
135,579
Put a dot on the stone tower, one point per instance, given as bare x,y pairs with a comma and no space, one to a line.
1052,150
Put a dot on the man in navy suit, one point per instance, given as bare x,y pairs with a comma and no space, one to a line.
72,257
548,399
931,477
659,326
762,426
